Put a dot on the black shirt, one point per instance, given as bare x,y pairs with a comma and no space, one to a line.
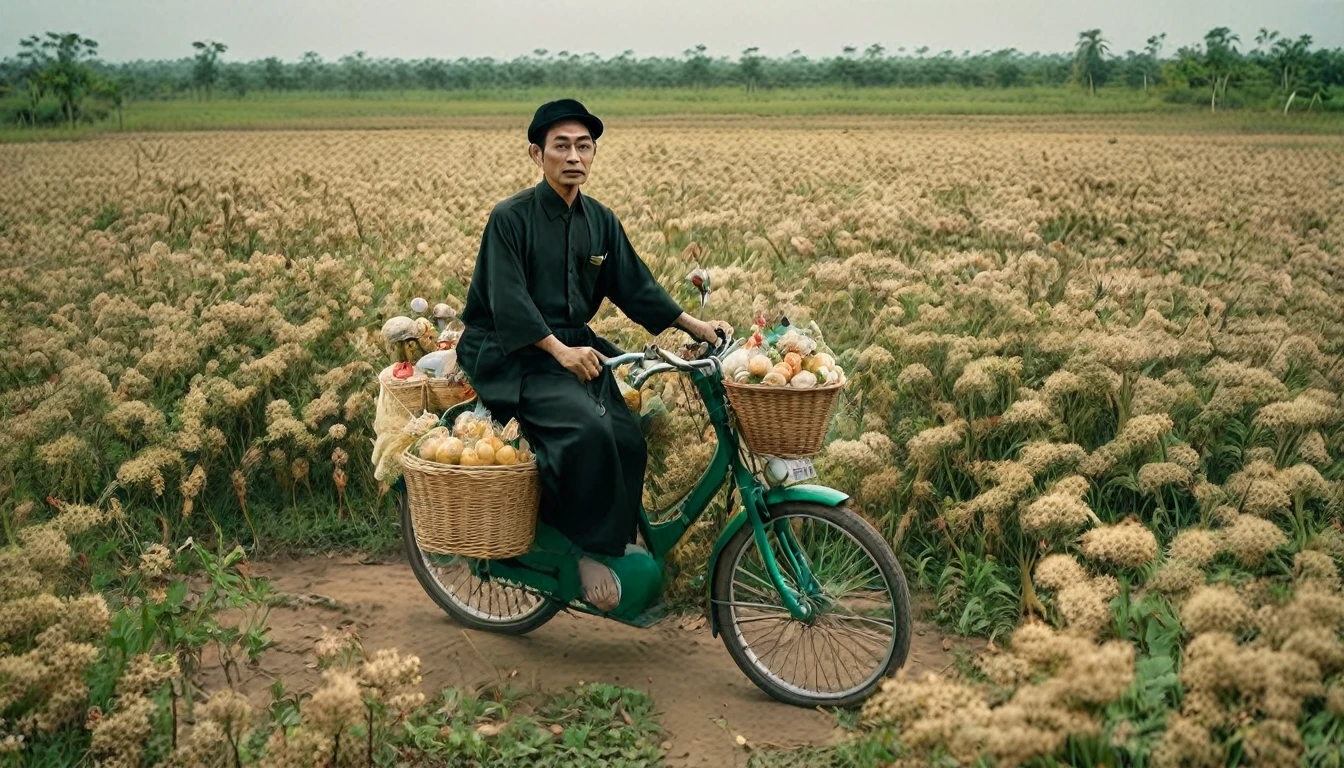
545,267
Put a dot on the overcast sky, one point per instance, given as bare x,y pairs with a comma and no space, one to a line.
152,29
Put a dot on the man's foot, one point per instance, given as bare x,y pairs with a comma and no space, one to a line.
600,587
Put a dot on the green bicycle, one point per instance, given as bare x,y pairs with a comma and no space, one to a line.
808,598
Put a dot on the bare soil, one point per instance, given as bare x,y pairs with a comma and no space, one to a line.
704,700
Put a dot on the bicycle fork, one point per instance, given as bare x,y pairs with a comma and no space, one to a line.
799,605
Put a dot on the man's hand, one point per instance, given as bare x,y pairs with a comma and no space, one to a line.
583,362
716,325
580,361
704,331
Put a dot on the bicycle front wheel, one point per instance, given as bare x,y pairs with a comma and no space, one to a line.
469,600
859,626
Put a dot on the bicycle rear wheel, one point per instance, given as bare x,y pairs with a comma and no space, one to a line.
859,630
469,600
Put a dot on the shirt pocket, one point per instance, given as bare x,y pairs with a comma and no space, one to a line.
590,272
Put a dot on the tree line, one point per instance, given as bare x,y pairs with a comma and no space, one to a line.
58,77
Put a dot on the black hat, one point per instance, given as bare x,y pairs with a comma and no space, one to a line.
553,112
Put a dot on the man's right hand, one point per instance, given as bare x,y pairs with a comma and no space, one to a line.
580,361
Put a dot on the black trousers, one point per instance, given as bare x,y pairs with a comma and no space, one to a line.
591,454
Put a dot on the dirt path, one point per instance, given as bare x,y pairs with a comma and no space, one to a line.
703,699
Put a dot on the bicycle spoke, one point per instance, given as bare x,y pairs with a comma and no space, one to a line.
854,664
772,592
486,599
835,654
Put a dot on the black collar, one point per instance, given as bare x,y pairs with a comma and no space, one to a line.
553,204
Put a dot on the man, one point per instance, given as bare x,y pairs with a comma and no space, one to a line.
548,257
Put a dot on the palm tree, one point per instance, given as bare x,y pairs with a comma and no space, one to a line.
1152,50
1221,59
1265,37
206,71
1092,47
1290,56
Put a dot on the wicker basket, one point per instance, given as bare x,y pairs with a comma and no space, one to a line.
440,394
484,512
409,393
783,421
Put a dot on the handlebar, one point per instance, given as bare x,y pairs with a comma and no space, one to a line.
670,361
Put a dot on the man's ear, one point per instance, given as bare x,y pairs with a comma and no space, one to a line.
535,153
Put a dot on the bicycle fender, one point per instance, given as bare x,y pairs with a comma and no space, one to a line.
817,494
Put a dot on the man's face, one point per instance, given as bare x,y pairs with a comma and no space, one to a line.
567,154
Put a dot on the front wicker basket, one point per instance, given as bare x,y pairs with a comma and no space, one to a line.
440,395
410,394
483,512
783,421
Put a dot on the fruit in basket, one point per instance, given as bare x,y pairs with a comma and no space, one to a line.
758,365
783,370
469,458
793,341
735,363
506,456
449,451
485,453
794,361
774,379
471,427
428,449
803,380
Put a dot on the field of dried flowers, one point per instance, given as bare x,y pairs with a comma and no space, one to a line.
1095,404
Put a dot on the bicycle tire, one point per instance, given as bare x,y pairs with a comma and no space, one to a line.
522,624
896,587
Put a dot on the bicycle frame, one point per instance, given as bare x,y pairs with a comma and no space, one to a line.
551,568
727,464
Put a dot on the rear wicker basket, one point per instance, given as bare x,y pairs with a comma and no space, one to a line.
783,421
483,512
410,394
440,395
